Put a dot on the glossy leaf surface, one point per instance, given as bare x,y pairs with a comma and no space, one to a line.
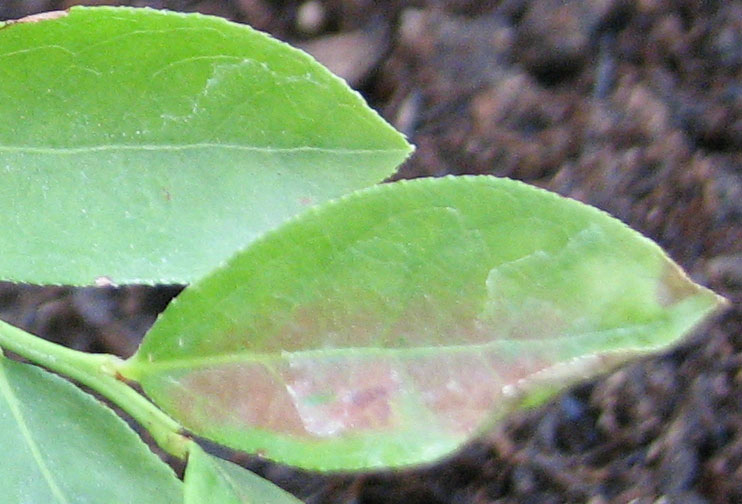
61,446
155,144
387,327
209,479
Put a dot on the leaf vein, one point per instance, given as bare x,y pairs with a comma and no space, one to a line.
164,147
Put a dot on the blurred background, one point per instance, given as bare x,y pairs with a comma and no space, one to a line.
632,106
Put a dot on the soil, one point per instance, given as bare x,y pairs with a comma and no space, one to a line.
632,106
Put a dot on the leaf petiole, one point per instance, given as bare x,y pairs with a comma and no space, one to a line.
99,372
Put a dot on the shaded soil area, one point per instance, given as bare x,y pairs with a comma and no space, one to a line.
632,106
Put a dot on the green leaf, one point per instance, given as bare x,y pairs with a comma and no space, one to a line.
210,479
148,146
384,329
61,446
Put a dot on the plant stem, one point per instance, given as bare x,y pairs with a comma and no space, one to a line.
98,371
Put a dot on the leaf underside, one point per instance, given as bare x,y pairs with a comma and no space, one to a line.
386,328
156,144
62,446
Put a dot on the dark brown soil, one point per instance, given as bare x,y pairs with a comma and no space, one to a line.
632,106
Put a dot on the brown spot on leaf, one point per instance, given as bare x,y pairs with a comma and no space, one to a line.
339,396
242,396
463,390
324,324
674,286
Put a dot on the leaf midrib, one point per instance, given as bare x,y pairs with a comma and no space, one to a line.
193,146
141,362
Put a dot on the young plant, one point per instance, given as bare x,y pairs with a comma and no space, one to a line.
378,330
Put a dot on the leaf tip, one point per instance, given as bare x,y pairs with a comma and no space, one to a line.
675,286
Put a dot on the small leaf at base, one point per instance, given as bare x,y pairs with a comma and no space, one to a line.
210,480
